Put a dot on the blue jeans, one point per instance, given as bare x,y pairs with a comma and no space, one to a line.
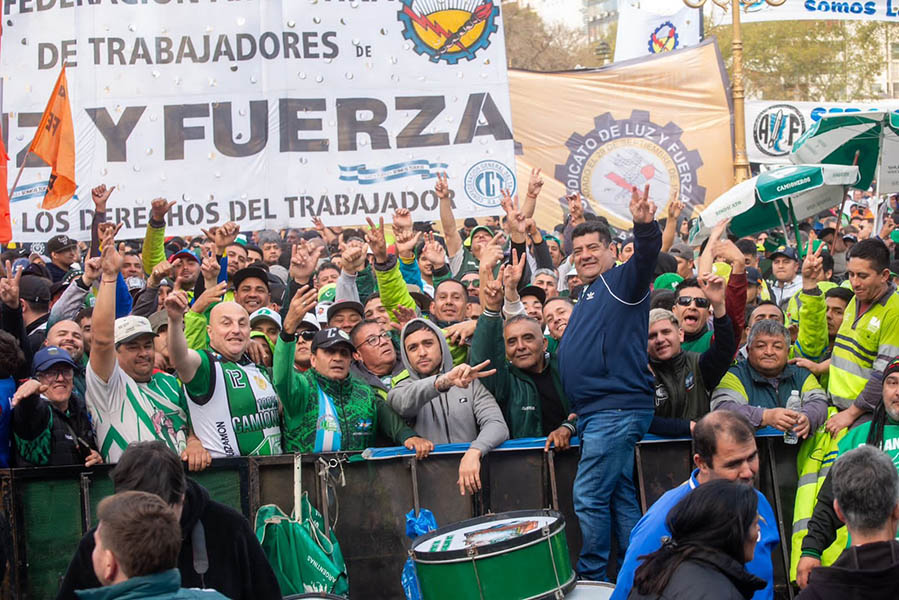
604,486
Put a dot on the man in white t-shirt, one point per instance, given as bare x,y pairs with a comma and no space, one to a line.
127,400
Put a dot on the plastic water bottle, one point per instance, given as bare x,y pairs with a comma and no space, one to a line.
795,404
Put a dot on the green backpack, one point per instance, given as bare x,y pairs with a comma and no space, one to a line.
302,556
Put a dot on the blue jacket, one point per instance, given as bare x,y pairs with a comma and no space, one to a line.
161,586
603,357
647,535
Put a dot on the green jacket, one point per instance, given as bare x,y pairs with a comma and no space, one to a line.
361,410
161,586
514,390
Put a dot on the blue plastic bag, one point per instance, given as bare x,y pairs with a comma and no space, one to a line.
415,527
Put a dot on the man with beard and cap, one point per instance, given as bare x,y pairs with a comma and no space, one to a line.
236,565
882,432
449,404
725,448
50,423
232,403
326,409
128,401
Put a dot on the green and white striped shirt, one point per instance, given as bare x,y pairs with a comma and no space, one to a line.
125,411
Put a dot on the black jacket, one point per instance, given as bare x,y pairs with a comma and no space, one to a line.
238,567
46,436
707,575
684,383
867,572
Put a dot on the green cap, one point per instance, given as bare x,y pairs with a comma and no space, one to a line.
327,293
667,281
475,230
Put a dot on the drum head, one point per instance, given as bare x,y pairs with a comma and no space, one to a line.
486,535
591,590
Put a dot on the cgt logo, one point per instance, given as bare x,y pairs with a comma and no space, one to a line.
485,181
776,129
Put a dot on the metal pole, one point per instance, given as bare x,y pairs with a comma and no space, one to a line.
741,162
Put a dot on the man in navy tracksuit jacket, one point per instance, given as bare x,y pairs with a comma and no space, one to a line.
604,367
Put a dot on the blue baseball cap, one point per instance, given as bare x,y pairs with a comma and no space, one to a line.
49,356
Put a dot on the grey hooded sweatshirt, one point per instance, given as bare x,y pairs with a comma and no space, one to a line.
460,415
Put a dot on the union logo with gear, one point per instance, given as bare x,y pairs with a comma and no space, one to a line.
448,30
664,38
619,154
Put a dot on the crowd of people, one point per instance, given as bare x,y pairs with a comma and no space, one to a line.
326,338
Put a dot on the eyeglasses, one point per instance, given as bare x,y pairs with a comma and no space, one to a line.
54,374
307,335
688,300
375,340
475,283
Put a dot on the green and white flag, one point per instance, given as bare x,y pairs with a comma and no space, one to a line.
776,198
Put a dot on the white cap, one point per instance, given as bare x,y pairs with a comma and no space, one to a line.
131,327
265,313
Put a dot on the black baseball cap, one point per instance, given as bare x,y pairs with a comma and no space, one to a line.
34,289
330,337
61,242
533,290
342,304
786,251
246,273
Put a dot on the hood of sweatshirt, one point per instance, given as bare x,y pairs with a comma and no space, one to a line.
446,357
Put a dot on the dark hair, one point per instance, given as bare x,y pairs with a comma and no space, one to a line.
415,326
747,247
691,282
716,424
150,467
844,294
38,307
85,313
598,227
11,356
360,325
751,309
327,265
568,301
872,250
717,515
827,263
662,298
372,296
141,532
451,280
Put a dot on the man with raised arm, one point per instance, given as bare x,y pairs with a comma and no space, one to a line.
603,359
127,400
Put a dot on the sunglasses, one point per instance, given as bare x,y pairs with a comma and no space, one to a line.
307,335
475,283
688,300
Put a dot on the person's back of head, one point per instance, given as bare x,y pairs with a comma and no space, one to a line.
137,535
719,516
151,467
866,493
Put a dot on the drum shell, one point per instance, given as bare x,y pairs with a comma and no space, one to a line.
514,574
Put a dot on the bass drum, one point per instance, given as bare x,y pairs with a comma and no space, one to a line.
518,555
591,590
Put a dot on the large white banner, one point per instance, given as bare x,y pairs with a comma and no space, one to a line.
265,113
821,10
773,126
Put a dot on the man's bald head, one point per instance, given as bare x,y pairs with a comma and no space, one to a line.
67,335
229,330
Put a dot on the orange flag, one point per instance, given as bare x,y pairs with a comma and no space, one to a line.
55,143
